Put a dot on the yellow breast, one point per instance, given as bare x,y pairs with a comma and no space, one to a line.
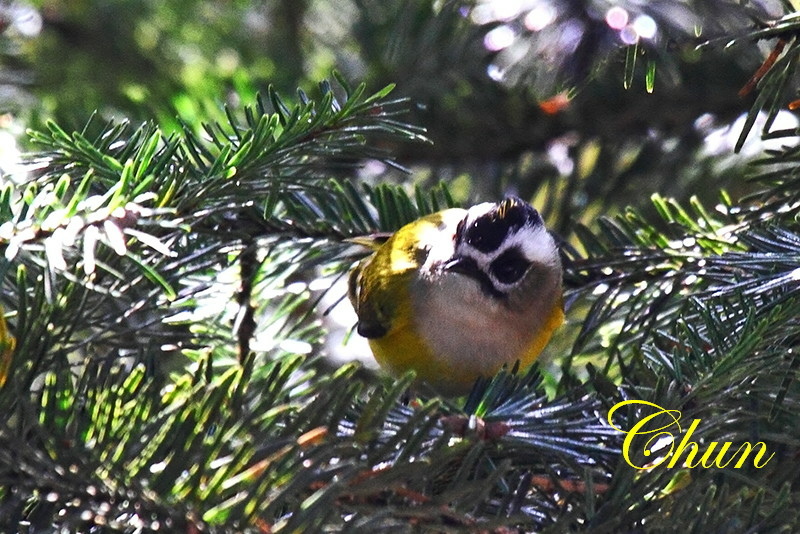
441,324
449,345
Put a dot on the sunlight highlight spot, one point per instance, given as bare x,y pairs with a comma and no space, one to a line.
158,467
540,17
295,346
26,20
617,18
296,288
506,9
495,73
600,289
628,35
645,26
499,38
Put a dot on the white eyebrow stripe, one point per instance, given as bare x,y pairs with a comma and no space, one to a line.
479,210
536,244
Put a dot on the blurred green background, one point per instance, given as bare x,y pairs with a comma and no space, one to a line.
551,100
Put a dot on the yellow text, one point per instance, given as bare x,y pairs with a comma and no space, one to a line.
686,453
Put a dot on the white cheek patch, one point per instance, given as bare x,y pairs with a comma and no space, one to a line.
439,241
440,251
536,244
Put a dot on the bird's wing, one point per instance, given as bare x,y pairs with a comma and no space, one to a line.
378,290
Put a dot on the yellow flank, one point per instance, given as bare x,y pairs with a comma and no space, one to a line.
384,278
402,349
539,342
7,345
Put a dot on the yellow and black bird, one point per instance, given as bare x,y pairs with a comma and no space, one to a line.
458,294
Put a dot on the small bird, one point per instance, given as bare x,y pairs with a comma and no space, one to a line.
456,295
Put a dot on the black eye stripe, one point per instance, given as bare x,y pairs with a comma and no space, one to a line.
510,266
469,267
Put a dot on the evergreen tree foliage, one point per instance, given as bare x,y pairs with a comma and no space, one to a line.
160,369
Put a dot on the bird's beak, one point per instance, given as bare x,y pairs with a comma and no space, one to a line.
463,265
468,267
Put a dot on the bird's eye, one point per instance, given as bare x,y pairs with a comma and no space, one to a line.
509,267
